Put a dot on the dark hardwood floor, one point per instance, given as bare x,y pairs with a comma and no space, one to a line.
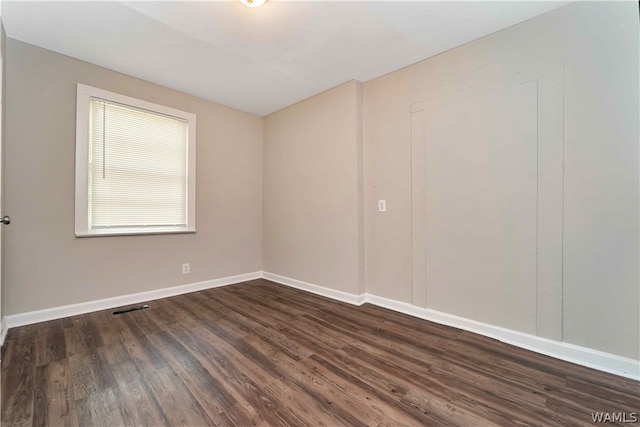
258,353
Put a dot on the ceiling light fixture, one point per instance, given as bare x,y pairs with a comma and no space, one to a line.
253,3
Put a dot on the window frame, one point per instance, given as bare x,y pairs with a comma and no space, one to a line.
82,198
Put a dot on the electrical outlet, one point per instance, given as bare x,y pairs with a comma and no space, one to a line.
382,205
186,269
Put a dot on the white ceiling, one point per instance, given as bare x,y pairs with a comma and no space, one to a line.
258,60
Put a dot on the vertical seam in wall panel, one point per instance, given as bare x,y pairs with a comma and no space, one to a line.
562,334
537,197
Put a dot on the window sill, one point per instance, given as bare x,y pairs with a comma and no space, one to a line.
121,232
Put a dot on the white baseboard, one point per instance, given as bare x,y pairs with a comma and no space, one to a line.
583,356
591,358
3,330
315,289
103,304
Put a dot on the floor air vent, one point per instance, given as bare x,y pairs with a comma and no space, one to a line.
127,310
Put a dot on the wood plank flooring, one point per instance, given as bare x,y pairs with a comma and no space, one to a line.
262,354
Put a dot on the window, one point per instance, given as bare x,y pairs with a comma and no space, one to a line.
135,166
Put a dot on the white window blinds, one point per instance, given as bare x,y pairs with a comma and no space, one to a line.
138,168
135,166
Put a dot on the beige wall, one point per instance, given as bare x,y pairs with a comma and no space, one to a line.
311,227
598,45
45,265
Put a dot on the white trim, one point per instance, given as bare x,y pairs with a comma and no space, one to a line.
595,359
315,289
3,330
103,304
83,227
606,362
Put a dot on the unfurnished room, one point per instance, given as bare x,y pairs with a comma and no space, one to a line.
319,213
